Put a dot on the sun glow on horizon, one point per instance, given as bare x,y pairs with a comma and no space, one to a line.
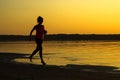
61,16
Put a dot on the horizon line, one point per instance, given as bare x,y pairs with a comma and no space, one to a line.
56,34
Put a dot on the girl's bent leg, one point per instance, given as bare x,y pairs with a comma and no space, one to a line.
33,53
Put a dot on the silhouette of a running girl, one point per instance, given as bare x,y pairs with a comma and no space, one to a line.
39,37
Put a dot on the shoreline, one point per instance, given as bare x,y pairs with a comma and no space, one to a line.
10,70
64,37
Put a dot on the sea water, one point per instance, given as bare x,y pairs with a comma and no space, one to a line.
105,53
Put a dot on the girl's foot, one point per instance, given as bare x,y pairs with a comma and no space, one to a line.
30,59
43,63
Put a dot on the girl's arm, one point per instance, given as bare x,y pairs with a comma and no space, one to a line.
45,32
32,31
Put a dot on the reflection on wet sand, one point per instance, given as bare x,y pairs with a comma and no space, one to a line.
10,70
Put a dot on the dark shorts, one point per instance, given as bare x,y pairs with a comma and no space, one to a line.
38,41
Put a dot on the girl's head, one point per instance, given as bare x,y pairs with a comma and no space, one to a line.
40,20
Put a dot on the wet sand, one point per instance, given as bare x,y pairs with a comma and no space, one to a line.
11,70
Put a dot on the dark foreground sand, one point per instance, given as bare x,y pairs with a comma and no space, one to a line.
10,70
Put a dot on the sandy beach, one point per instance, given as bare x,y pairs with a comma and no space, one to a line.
11,70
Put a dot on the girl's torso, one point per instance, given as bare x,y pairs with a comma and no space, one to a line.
40,31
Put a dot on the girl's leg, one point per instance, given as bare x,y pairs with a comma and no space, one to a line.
33,53
41,57
40,52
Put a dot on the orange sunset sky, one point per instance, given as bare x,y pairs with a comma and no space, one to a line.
18,17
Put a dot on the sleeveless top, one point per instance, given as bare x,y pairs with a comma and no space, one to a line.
40,31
